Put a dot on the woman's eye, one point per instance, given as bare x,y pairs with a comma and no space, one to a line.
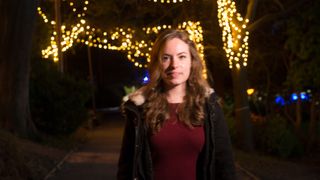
182,57
165,58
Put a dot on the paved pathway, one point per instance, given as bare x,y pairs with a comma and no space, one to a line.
97,158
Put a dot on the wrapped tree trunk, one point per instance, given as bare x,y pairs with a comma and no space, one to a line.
242,111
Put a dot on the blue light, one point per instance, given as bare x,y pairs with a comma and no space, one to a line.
304,96
294,97
279,100
145,79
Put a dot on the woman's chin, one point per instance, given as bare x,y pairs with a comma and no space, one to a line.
174,83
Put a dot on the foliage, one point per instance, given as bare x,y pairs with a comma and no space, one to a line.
129,89
272,134
303,31
275,136
57,101
110,96
228,107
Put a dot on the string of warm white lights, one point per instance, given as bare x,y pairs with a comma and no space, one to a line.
168,1
44,17
234,33
68,36
118,39
195,32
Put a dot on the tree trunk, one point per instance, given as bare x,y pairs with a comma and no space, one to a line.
239,77
242,111
312,134
57,5
16,27
298,116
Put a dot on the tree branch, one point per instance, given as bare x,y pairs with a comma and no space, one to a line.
211,49
251,10
270,17
279,4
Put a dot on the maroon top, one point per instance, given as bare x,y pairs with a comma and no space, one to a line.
175,149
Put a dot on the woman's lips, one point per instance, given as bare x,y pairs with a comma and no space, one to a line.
173,74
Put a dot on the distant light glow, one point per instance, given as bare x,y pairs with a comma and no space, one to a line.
280,100
250,91
146,78
304,96
294,96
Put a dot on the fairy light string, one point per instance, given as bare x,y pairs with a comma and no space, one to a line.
120,39
168,1
235,35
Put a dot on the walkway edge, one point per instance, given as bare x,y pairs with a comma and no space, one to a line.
247,172
59,164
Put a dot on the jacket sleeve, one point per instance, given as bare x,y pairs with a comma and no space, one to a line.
125,163
224,165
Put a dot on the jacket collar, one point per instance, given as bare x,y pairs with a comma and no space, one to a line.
138,97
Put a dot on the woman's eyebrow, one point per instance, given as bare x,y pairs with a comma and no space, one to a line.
165,54
181,53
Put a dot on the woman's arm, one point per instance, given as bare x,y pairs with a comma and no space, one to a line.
125,163
224,165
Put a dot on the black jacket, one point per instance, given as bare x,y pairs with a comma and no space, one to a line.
214,162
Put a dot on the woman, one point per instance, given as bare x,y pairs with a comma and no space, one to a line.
174,125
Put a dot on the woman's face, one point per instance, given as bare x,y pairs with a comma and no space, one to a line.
176,63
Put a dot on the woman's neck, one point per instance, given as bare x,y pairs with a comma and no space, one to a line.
176,94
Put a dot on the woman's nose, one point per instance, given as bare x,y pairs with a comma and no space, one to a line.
174,63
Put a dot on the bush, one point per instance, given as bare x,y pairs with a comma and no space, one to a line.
275,136
57,101
110,96
228,107
271,134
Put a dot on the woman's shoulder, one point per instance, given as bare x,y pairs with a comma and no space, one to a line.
137,97
209,92
211,95
131,106
213,98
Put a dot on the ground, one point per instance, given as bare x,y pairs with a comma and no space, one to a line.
272,168
25,159
96,158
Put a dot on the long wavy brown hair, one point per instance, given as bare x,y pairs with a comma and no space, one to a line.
156,108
